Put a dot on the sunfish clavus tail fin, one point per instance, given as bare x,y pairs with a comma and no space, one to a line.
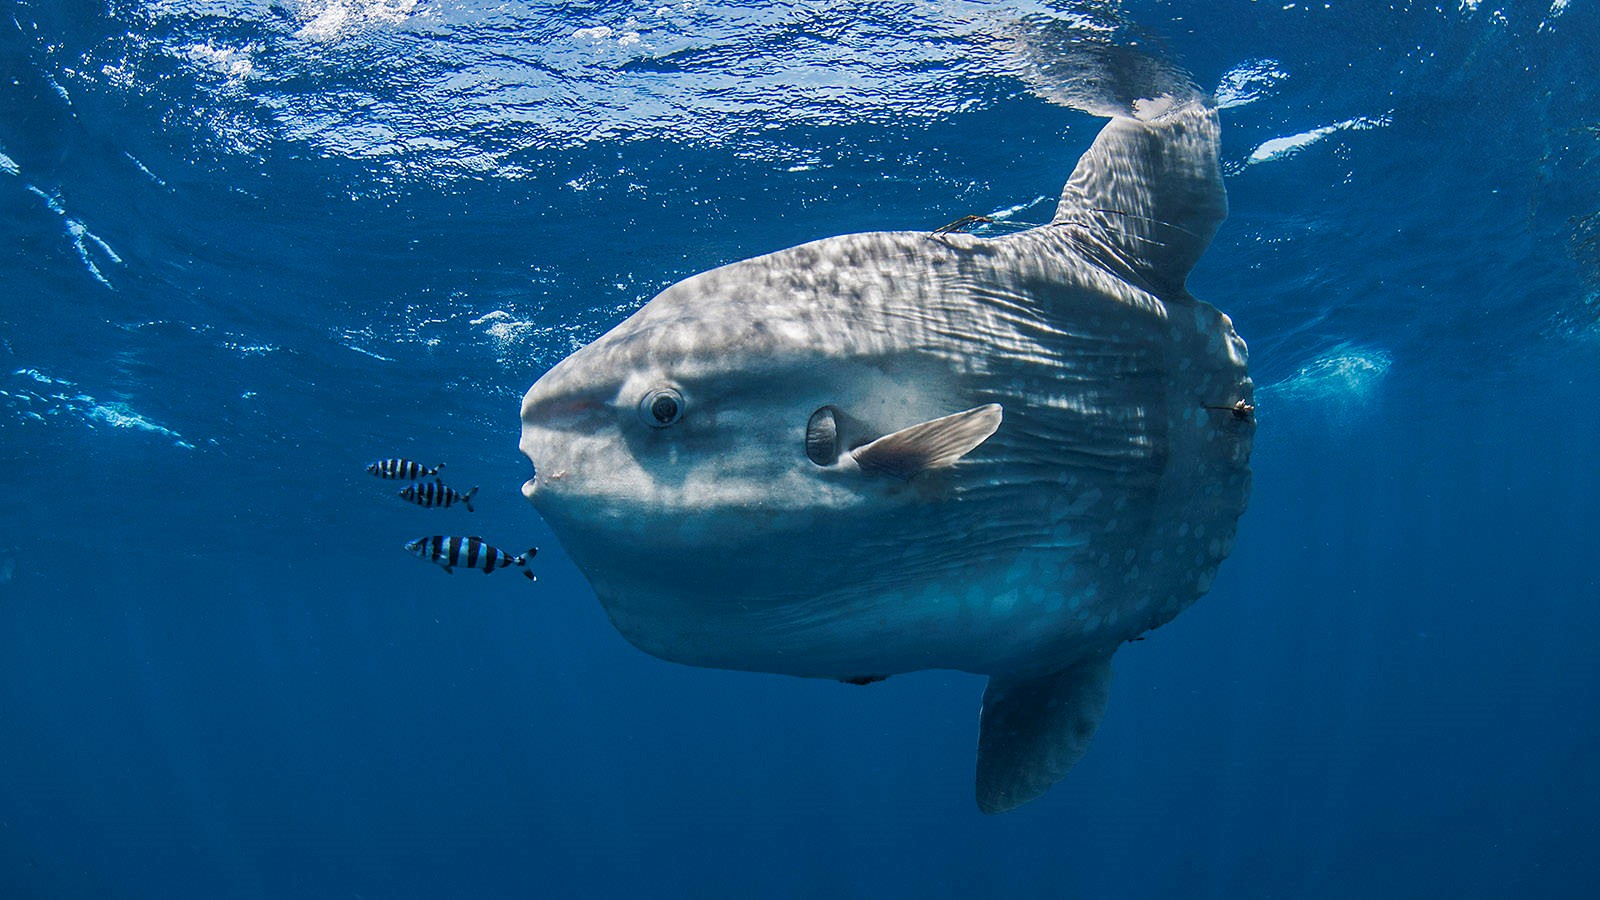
1033,730
1150,191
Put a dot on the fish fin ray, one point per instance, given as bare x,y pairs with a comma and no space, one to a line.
1151,192
929,445
1033,730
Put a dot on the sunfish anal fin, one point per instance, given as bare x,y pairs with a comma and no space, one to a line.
1032,731
1150,191
929,445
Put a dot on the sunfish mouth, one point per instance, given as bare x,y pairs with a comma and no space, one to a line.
532,486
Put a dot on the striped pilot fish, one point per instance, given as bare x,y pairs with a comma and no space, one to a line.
436,494
402,468
471,552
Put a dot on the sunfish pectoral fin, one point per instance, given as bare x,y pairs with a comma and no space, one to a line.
1150,190
1033,730
929,445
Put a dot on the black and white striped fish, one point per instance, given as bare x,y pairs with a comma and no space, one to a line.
402,468
436,494
471,552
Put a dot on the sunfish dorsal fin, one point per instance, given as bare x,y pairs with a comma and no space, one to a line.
929,445
1032,731
1151,191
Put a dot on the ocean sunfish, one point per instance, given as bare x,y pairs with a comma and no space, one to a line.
885,452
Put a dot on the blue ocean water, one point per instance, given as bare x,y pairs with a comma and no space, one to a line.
248,247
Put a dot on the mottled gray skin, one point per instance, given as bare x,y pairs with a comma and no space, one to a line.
1099,509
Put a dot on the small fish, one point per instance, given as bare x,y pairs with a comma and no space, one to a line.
436,494
402,468
471,552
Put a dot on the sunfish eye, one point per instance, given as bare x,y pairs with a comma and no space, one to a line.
661,407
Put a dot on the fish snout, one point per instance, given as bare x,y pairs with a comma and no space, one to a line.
551,453
541,477
557,415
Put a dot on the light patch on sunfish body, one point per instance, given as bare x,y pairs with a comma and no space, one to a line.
885,452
